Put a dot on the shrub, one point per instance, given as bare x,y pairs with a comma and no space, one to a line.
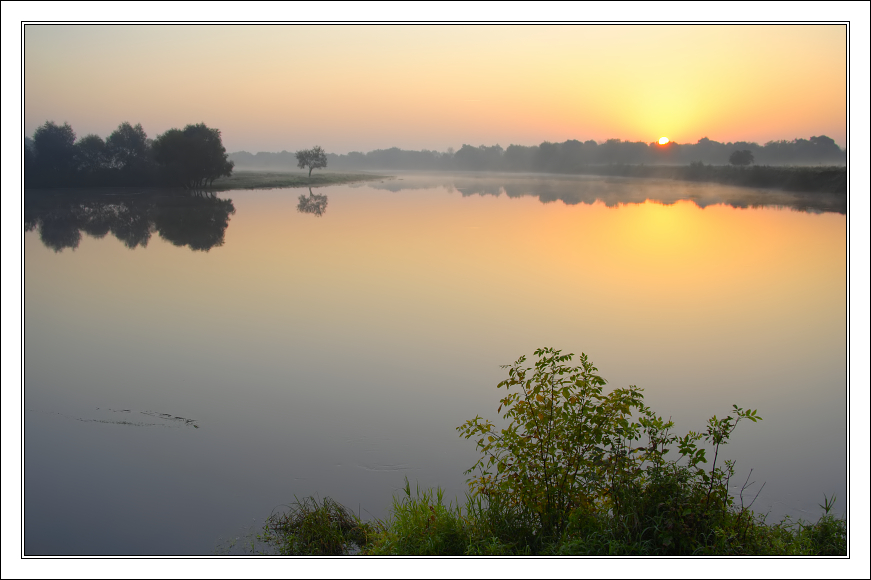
570,447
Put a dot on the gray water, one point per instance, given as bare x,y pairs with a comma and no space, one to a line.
191,365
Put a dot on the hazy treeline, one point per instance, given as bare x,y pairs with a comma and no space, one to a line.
192,157
196,220
809,178
569,157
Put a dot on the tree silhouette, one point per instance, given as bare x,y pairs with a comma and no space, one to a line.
127,146
92,157
29,161
741,158
313,158
54,152
193,157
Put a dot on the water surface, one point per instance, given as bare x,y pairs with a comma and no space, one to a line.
190,364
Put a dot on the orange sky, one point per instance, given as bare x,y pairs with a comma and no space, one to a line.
348,88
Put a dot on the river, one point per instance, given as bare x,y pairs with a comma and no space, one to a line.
190,364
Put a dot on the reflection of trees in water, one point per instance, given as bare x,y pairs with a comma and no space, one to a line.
58,230
130,224
196,220
314,204
198,223
616,191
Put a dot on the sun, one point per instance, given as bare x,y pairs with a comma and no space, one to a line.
663,140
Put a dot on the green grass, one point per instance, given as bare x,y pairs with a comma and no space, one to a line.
242,179
422,524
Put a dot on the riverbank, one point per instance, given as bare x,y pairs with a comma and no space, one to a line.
798,179
812,179
423,524
244,179
815,180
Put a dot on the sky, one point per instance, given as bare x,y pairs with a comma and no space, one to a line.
365,87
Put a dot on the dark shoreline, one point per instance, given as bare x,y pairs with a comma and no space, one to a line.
240,180
828,179
796,179
800,179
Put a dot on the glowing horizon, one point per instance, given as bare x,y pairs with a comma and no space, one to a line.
359,88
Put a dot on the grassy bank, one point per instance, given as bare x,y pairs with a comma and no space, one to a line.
816,179
576,471
421,523
811,179
242,179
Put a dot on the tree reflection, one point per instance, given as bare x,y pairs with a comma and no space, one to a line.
314,204
198,222
131,223
58,230
195,220
617,191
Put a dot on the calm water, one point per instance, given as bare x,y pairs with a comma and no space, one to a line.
192,364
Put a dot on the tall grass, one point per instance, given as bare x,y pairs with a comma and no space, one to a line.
423,525
664,521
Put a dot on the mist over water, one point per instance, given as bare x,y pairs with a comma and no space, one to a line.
330,342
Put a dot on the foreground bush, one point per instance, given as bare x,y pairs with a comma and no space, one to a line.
578,471
570,447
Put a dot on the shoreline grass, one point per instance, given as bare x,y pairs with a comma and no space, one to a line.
793,178
422,524
258,179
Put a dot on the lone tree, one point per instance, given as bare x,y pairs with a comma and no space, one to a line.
314,158
743,157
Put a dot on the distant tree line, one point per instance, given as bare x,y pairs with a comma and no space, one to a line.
192,157
571,156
